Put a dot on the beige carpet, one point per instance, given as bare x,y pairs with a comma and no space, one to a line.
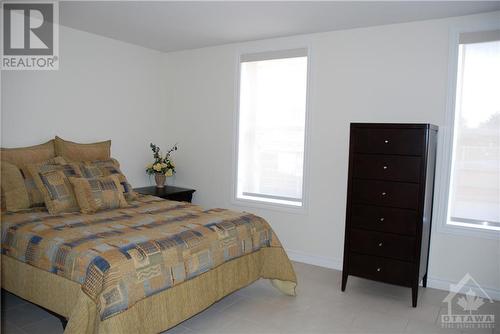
320,307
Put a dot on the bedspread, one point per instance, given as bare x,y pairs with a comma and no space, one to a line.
122,256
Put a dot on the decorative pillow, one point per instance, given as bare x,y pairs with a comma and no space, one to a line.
93,169
35,196
14,193
53,183
98,194
82,152
18,186
23,156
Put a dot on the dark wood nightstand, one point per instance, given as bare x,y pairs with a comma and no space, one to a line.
168,192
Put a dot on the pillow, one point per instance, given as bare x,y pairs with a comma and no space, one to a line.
82,152
34,194
53,183
98,194
2,201
23,156
92,169
18,187
14,193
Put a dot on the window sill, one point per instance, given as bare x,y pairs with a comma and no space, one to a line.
466,230
256,204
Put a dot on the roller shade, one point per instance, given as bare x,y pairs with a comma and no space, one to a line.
269,55
479,36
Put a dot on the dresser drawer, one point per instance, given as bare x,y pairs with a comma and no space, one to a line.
381,269
387,167
383,219
385,193
389,141
383,244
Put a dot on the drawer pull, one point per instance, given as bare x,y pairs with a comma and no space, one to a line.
384,193
380,244
385,167
386,141
378,269
381,219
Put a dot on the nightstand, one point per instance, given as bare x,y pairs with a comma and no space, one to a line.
168,192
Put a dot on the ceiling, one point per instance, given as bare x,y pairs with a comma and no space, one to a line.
173,26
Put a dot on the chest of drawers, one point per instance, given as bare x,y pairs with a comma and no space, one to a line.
389,203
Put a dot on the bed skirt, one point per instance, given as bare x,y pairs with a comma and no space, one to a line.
157,312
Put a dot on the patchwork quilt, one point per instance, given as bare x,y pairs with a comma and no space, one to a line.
121,256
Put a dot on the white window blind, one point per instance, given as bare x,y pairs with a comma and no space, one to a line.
475,179
271,130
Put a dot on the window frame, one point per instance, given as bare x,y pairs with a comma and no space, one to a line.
255,203
446,142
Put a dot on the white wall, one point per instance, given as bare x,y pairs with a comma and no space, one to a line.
104,89
393,73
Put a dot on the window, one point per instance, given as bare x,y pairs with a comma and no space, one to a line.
271,129
475,175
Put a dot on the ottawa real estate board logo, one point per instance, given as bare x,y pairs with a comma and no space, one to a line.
469,306
30,35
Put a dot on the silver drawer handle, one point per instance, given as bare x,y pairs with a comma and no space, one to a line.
384,193
380,244
381,219
378,269
385,167
386,141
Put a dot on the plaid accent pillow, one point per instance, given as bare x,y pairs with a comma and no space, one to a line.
102,168
35,195
53,183
98,194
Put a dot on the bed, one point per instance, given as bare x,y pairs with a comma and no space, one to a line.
141,268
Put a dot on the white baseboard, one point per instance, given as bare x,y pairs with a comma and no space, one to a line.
442,284
432,282
315,260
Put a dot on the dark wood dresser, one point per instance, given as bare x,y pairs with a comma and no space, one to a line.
389,203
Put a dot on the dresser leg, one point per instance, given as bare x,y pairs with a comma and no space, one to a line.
414,295
424,281
344,280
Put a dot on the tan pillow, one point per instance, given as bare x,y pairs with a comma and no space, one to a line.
98,194
2,201
14,193
82,152
53,183
92,169
23,156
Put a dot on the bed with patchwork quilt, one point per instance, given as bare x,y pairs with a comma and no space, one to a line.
143,268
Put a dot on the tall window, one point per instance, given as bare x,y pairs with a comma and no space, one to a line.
475,178
271,131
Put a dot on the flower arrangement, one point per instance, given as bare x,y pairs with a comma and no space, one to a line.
162,166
